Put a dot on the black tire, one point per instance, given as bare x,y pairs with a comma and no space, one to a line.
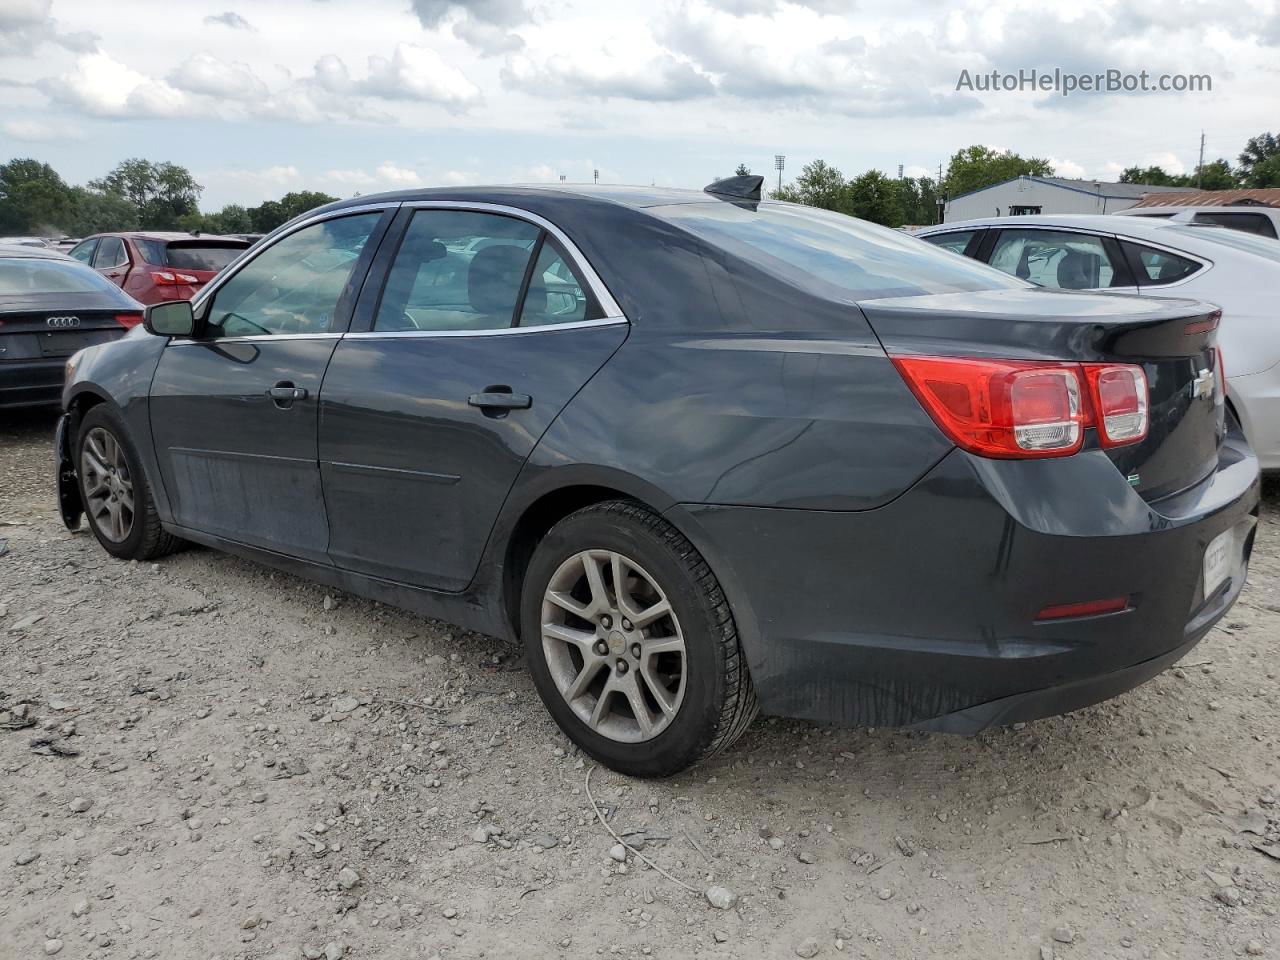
146,539
718,701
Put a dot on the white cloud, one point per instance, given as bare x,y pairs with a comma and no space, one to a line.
102,86
1067,169
419,73
26,25
606,73
38,131
229,19
205,74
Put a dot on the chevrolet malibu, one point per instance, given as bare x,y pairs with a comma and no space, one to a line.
703,454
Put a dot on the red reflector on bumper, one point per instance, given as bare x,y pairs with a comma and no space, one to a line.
1090,608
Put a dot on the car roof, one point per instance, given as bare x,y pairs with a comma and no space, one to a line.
167,236
629,196
16,250
1151,227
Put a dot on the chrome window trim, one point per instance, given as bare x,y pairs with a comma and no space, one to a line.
488,332
254,338
601,292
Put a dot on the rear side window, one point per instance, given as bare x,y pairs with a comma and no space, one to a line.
1258,223
22,276
812,248
556,292
111,253
1155,267
1056,259
457,270
956,242
198,256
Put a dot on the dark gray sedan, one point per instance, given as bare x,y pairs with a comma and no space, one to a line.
704,454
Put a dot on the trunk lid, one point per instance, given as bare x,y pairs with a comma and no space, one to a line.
1174,341
41,334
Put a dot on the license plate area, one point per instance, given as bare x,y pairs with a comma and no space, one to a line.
1219,558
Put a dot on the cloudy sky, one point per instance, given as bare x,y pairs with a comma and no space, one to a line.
258,97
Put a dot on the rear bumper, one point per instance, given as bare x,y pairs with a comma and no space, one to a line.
923,611
30,383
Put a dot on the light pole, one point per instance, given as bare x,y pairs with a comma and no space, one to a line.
779,161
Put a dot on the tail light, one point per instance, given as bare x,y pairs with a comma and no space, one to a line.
1119,396
128,320
166,278
1019,409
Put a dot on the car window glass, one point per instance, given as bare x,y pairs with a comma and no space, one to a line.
110,253
200,256
1258,223
84,251
296,284
1160,266
556,293
829,253
457,270
1058,259
21,275
955,242
152,251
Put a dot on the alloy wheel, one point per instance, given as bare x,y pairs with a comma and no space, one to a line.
614,645
108,485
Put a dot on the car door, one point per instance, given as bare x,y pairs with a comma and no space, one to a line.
112,260
473,332
1062,259
234,408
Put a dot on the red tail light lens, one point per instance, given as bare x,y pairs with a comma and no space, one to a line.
1090,608
1019,409
128,320
1119,396
165,278
1008,409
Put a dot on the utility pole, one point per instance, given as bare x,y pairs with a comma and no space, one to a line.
779,161
1200,165
942,197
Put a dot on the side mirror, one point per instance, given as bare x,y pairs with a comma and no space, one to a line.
171,319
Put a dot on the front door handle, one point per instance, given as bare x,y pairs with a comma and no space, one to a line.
497,400
284,393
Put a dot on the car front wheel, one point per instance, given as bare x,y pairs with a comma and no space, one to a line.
631,642
117,499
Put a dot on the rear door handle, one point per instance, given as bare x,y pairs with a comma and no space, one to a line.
493,400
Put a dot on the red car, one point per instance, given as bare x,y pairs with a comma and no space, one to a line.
155,267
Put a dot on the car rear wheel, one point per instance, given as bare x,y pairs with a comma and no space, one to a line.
117,499
631,642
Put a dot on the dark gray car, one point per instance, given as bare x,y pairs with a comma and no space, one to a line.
703,454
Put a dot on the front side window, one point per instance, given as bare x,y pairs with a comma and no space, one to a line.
110,254
83,251
956,241
556,292
457,270
1056,259
1159,266
294,286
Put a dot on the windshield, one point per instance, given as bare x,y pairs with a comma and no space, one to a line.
1248,242
853,259
19,276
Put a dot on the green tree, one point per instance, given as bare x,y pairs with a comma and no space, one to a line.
819,185
1152,177
875,197
976,167
93,211
271,214
1257,153
233,218
1265,173
33,197
742,171
161,193
1217,175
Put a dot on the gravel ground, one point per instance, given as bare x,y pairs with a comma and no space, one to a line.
204,758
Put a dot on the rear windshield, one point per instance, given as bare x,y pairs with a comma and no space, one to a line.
853,259
201,256
20,276
1249,242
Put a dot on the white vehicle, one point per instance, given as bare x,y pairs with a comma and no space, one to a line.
1264,221
1238,271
